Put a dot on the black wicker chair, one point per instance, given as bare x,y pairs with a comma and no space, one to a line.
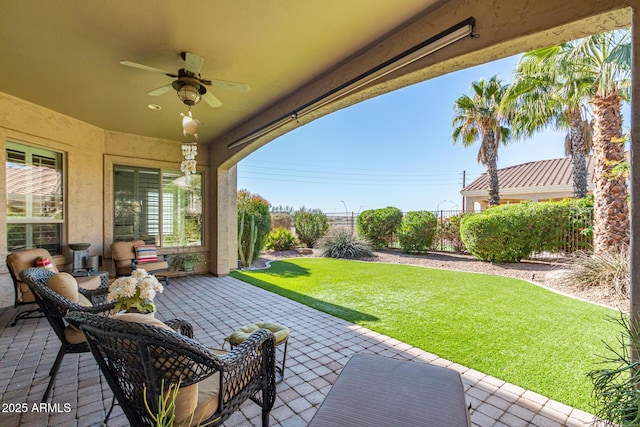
54,307
138,359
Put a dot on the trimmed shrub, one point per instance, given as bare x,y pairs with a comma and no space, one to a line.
281,239
311,225
379,226
509,233
254,224
417,231
341,243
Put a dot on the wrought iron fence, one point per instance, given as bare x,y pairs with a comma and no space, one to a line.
575,236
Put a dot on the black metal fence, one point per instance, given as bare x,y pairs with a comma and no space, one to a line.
576,236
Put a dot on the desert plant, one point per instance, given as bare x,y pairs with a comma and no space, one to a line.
254,224
616,387
311,225
379,226
281,239
417,231
609,270
341,243
167,403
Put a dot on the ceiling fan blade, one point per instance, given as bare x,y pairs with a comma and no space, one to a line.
210,99
147,68
161,90
192,63
242,87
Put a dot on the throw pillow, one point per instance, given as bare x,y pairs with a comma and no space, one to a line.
64,284
146,253
44,262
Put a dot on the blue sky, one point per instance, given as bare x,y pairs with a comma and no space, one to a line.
393,150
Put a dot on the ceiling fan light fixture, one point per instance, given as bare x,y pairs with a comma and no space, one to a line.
189,94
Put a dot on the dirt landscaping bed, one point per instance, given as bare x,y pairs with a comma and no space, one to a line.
543,273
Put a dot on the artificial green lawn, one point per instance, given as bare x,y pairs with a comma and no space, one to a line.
504,327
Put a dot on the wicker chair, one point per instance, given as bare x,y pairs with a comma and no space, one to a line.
20,260
138,358
125,261
54,307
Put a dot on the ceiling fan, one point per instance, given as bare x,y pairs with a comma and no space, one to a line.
188,84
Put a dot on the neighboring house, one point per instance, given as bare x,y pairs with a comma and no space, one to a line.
539,181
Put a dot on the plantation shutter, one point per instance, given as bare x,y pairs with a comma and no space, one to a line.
136,203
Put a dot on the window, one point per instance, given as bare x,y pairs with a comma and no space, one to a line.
35,203
181,209
157,206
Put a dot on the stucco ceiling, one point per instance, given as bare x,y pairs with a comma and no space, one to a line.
65,54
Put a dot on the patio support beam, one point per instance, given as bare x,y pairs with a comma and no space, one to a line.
635,176
222,232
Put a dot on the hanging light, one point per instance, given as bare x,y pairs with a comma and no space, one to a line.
189,94
188,165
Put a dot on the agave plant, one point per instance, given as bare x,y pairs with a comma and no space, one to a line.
341,243
616,386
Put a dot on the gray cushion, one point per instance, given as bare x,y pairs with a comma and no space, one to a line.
374,390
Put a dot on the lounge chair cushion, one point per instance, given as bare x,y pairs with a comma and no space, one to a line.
89,282
74,335
123,253
151,267
21,260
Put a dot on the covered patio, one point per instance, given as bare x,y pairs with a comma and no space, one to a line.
319,347
68,105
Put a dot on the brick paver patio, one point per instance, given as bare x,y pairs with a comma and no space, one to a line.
319,346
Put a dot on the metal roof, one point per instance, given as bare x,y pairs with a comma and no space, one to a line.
542,173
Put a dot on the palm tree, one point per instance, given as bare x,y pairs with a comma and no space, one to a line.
605,60
480,116
547,92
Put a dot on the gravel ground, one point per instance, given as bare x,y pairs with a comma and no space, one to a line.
540,272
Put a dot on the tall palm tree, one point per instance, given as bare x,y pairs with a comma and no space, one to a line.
605,60
547,92
480,117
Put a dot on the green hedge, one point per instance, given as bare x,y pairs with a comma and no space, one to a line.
417,231
509,233
379,226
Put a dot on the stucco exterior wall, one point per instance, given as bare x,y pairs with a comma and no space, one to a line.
89,154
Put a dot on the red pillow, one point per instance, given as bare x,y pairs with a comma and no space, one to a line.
44,262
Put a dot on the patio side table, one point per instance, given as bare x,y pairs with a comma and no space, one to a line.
104,278
280,332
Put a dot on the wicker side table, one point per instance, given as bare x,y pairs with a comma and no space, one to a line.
104,278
